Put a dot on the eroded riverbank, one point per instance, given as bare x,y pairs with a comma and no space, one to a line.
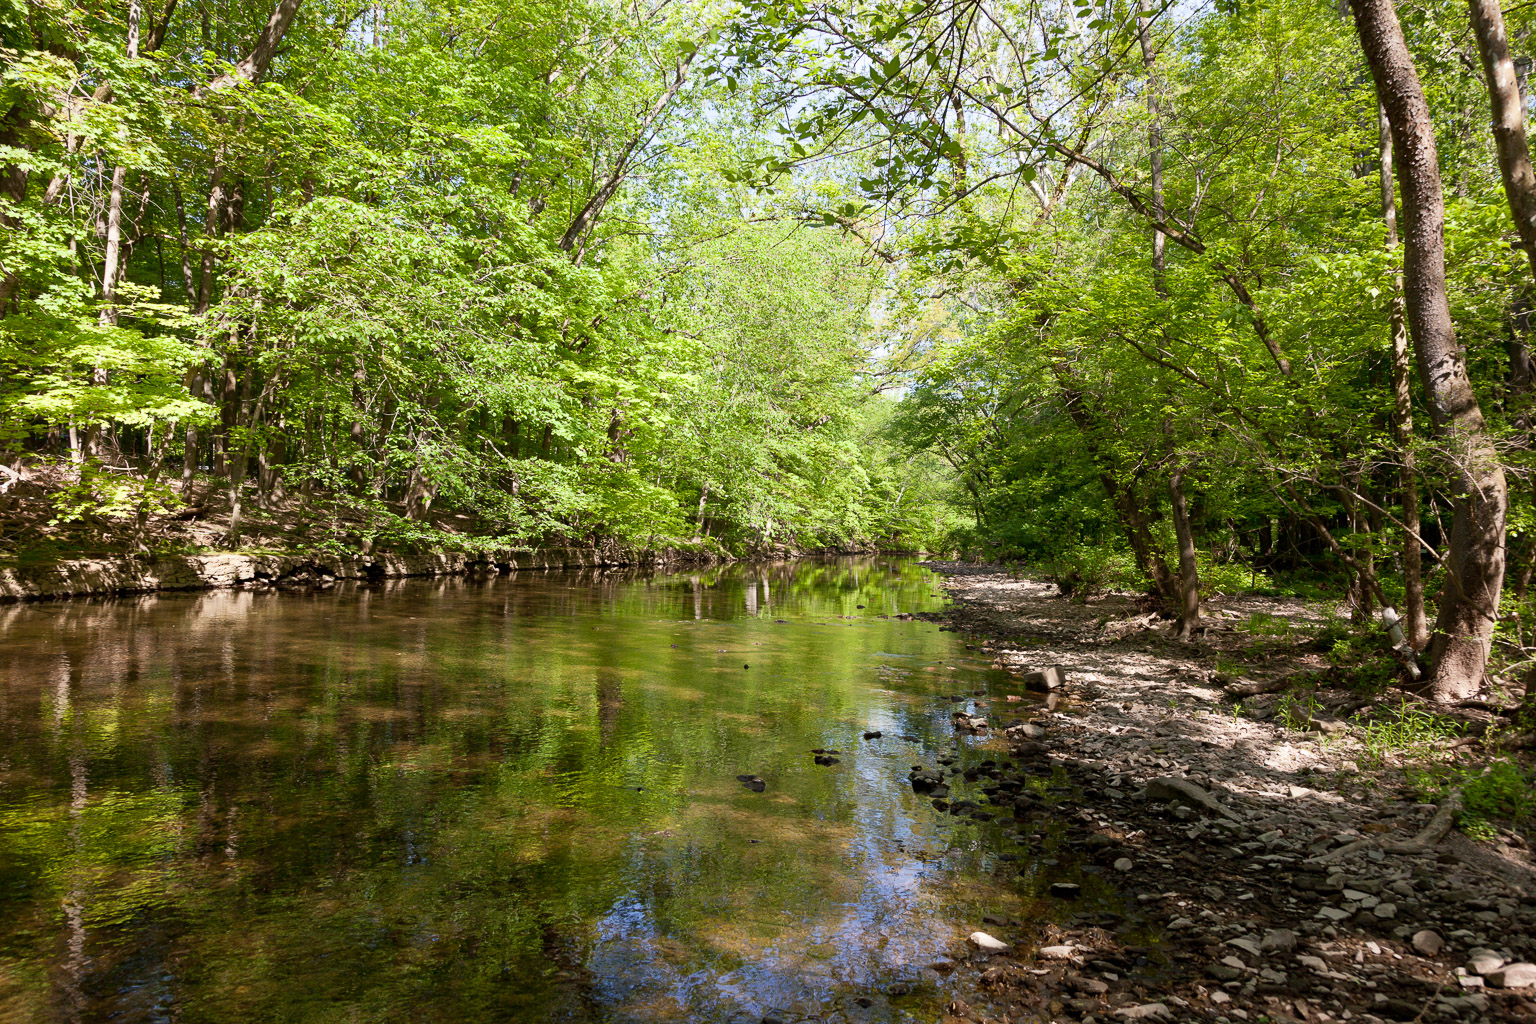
1264,905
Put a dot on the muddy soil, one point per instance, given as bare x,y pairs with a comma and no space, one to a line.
1213,864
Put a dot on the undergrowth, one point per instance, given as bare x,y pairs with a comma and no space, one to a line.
1405,729
1500,793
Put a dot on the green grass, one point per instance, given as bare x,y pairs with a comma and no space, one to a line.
1265,624
1296,710
1406,729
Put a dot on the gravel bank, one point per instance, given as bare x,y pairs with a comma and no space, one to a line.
1218,866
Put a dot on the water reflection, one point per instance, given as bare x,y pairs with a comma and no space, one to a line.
469,800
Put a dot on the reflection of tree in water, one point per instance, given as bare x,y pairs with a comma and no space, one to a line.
610,702
420,802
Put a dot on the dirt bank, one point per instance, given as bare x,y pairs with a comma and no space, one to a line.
1208,862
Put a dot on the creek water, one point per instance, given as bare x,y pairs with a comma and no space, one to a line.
504,799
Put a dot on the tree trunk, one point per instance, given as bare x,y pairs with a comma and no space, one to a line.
1133,519
1415,622
112,257
1508,121
1189,573
1155,148
1475,566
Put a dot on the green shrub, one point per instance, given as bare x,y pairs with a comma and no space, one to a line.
1501,792
1081,571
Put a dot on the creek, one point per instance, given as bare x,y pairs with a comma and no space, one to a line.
467,800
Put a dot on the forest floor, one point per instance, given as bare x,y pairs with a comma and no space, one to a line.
1271,892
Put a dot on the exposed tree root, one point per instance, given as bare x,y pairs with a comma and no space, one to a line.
1250,688
1439,826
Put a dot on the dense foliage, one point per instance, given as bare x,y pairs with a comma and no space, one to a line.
467,257
1114,287
1149,304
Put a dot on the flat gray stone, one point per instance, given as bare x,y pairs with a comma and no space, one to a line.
1512,976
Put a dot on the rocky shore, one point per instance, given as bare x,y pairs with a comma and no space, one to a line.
86,576
1207,864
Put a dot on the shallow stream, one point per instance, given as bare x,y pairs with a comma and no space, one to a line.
487,800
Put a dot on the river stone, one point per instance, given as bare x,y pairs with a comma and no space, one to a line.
1513,976
1058,952
924,780
1053,678
1278,940
1427,942
1066,890
985,942
1483,961
1397,1009
1124,864
1145,1011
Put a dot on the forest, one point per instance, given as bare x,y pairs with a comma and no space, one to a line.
1179,298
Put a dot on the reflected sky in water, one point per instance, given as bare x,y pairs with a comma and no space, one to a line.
484,800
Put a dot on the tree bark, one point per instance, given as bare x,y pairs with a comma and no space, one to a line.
1415,622
1508,121
1155,149
1189,573
1475,565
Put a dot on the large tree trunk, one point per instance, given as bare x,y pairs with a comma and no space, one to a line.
1189,574
1469,602
1415,622
1508,120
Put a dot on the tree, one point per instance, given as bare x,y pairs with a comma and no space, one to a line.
1475,565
